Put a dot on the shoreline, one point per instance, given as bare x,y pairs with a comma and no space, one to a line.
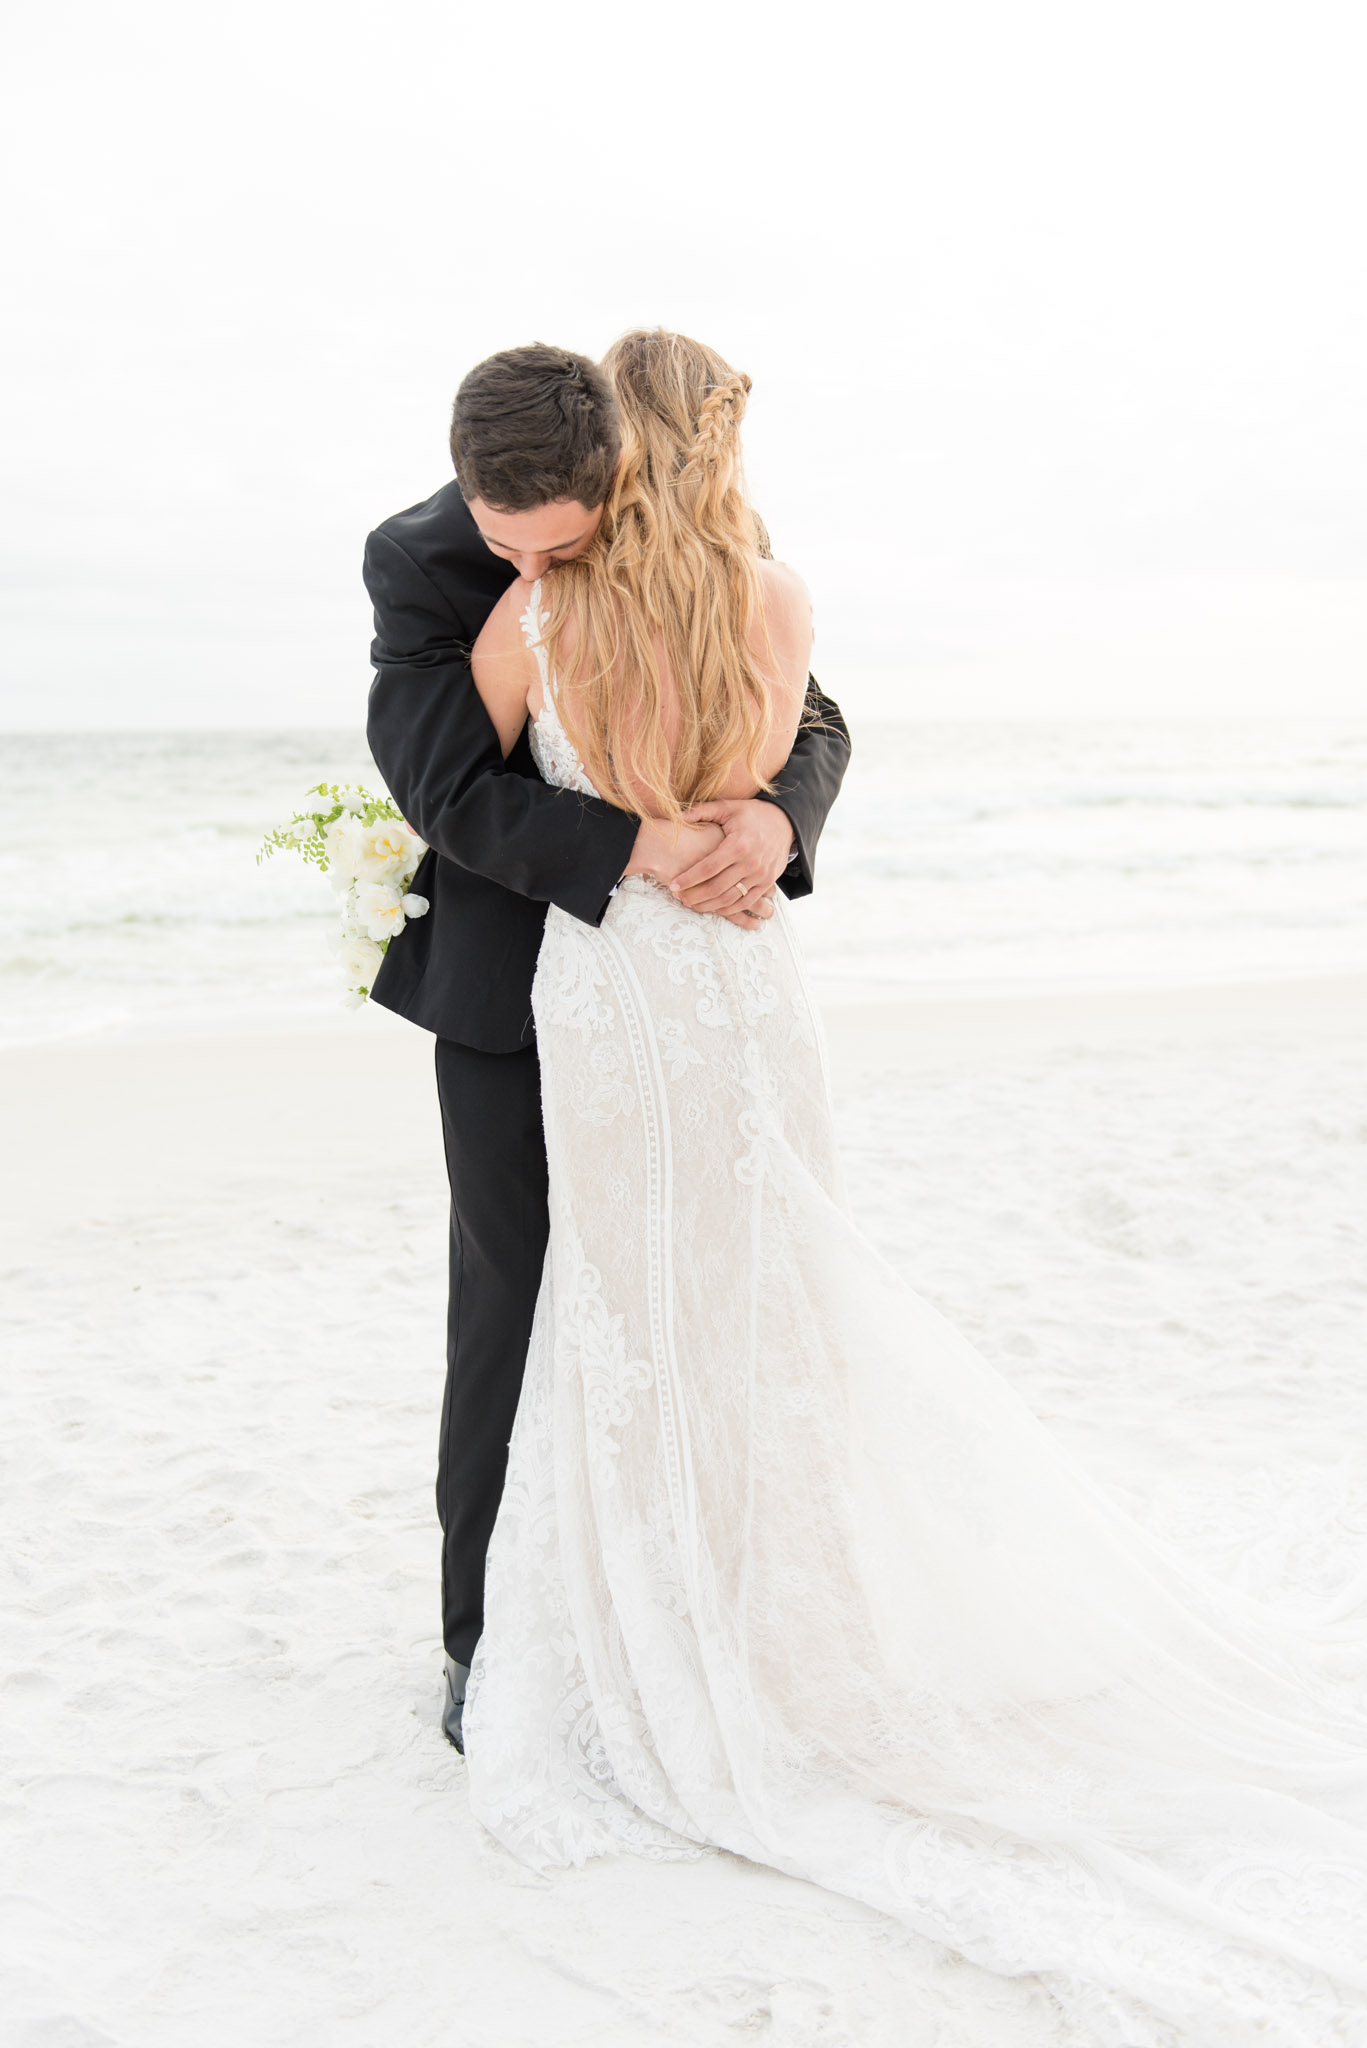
965,1024
832,996
111,1126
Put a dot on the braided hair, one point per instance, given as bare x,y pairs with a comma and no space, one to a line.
719,418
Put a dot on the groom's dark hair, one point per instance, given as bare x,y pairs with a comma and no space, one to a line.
534,426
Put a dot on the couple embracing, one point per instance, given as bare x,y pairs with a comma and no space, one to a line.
777,1565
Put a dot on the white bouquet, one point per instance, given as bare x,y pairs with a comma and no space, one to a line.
370,856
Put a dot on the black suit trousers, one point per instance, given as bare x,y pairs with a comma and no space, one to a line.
496,1163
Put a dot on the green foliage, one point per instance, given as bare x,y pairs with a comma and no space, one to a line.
324,802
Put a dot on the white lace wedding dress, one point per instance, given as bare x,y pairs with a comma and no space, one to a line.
783,1567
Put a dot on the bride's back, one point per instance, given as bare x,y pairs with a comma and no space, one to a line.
778,641
679,652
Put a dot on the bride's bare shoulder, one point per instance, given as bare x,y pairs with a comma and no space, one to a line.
785,633
785,589
504,668
502,632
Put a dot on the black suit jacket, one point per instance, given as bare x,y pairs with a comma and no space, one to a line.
503,843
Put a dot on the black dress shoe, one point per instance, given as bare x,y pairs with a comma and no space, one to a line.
457,1678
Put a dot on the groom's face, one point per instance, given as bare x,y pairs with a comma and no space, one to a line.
535,541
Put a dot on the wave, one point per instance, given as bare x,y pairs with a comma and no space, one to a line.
996,855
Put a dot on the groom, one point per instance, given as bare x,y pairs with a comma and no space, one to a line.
535,440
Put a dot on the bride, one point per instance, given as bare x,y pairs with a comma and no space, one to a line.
782,1566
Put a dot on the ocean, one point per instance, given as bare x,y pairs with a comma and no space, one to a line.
983,857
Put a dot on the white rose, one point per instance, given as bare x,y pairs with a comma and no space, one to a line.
359,961
415,906
379,909
387,851
349,801
353,998
302,828
339,844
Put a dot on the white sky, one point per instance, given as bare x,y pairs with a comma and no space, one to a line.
1057,316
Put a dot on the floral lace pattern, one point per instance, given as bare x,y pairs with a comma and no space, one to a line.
784,1567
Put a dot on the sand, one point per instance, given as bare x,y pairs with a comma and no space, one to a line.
229,1815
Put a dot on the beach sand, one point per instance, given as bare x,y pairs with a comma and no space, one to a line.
230,1814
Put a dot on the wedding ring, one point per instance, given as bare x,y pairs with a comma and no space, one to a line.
740,886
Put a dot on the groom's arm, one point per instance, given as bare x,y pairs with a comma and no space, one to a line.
754,846
809,783
437,750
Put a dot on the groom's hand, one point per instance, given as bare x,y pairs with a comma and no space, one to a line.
739,876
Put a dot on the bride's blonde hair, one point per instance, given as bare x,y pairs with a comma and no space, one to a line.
670,587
